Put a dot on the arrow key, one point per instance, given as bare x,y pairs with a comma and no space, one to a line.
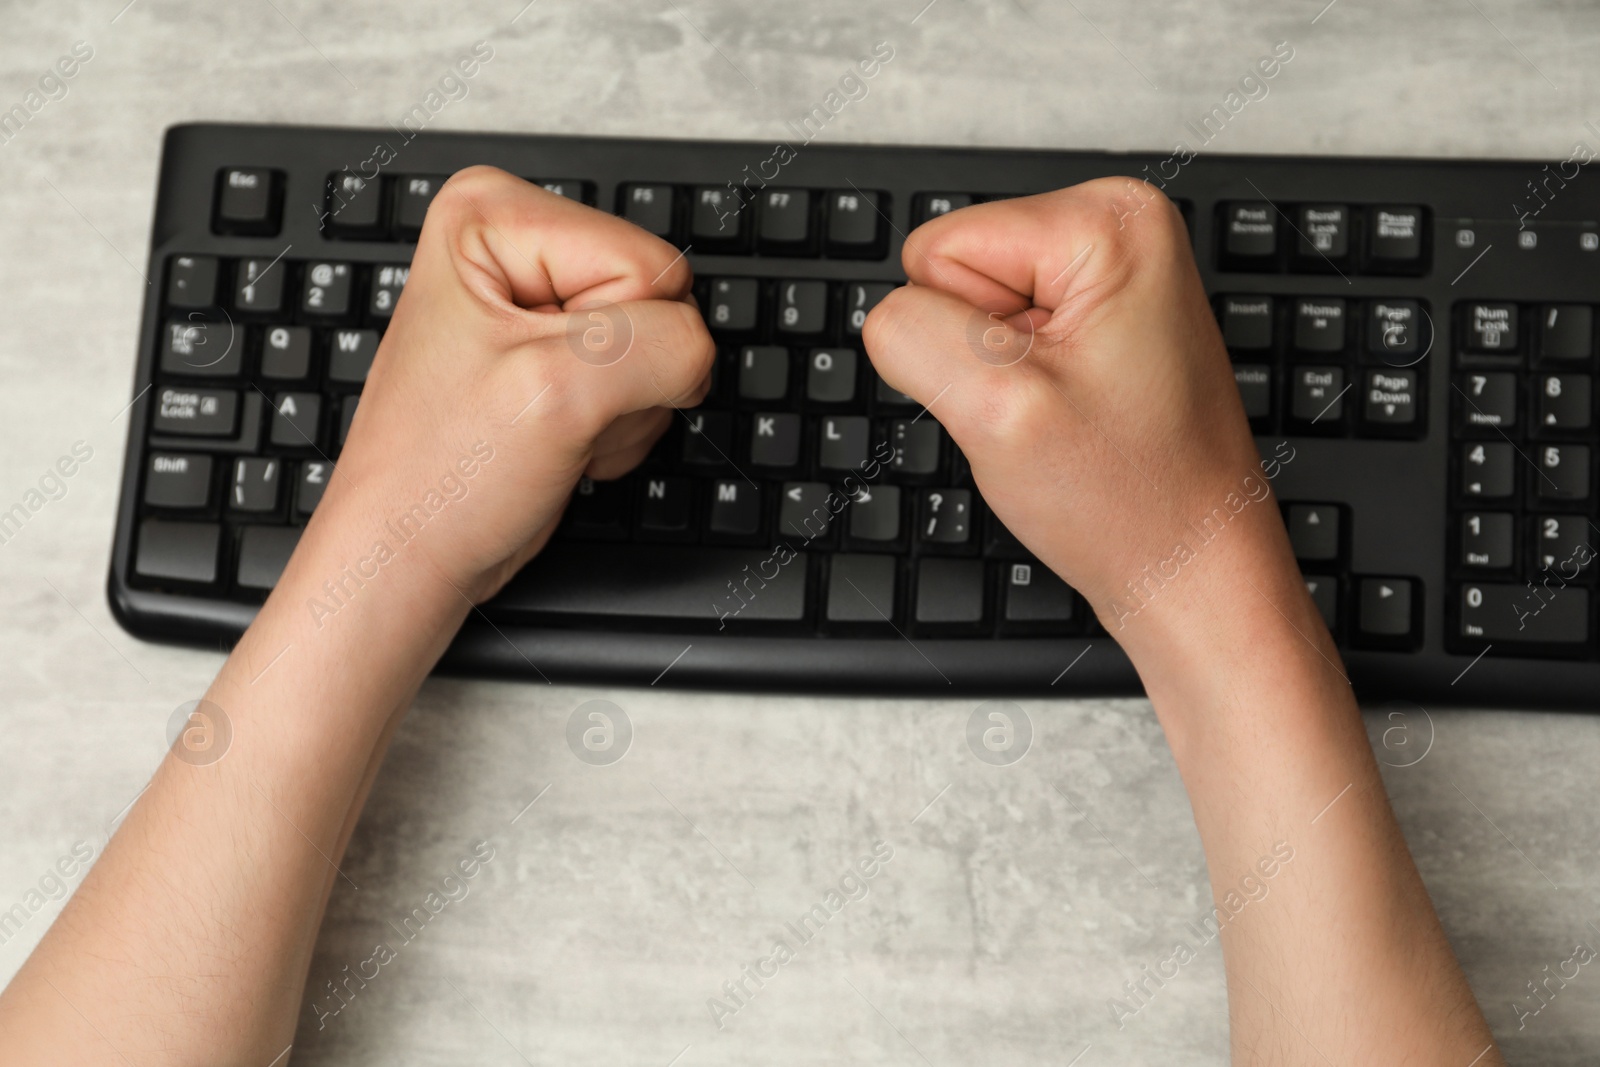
1384,616
1314,531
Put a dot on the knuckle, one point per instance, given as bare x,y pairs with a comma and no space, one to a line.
885,322
1004,417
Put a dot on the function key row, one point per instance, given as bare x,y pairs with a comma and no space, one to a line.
1259,236
839,223
393,208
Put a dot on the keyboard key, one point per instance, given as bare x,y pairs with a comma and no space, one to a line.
1488,399
264,552
716,218
327,289
803,510
1394,239
875,514
354,203
180,551
1317,395
388,282
286,352
842,443
1255,389
575,189
763,372
1487,540
859,300
255,484
315,474
1566,332
177,480
831,375
350,354
946,517
802,307
855,225
861,588
347,414
1033,593
916,445
1325,596
598,511
1323,241
1395,330
932,205
1247,323
1488,471
708,438
735,508
202,349
650,207
733,304
1249,234
659,582
259,286
195,412
949,591
1384,609
1564,544
412,195
775,440
1314,531
1563,472
1390,398
1517,614
192,282
295,419
1319,325
249,201
783,220
1490,328
1564,401
666,506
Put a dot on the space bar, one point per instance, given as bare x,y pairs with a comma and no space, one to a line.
659,582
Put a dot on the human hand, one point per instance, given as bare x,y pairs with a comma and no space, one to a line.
537,340
1066,344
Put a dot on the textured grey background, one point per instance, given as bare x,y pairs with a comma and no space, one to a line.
1017,903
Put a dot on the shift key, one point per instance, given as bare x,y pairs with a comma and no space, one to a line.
196,412
1554,615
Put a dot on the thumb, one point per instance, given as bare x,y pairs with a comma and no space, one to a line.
639,354
945,353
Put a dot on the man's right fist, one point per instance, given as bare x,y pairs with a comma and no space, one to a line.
1065,342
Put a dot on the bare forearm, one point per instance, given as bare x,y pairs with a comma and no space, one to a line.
1332,948
193,934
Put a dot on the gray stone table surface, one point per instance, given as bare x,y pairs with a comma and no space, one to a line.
1018,900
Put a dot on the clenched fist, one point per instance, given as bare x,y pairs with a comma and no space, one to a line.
537,340
1066,343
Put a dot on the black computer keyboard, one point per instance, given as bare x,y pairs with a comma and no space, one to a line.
1418,335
